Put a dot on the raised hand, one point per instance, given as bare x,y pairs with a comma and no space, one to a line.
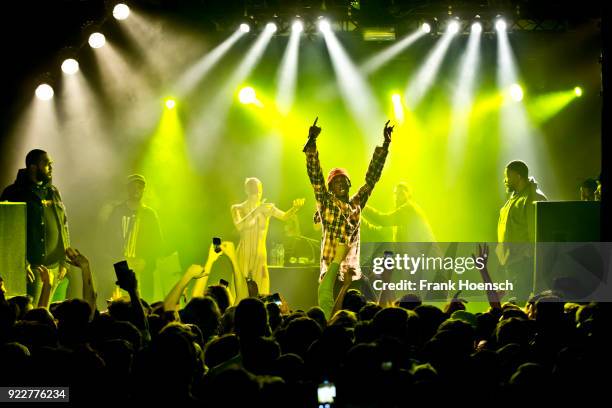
387,132
228,248
195,272
76,258
30,274
45,276
455,304
483,253
129,283
298,203
213,255
348,276
314,130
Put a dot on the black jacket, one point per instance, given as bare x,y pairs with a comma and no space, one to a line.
24,190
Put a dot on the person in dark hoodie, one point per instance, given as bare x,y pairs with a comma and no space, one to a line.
132,232
47,227
516,227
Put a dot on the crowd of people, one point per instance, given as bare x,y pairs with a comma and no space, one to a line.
226,347
233,343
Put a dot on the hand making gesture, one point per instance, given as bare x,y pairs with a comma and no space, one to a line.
313,133
386,132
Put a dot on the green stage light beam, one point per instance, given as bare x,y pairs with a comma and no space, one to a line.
519,138
287,71
578,91
355,91
544,107
463,99
375,62
420,84
398,108
37,127
82,124
213,118
196,73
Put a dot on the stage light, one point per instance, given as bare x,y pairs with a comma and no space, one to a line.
453,27
297,26
97,40
578,91
247,95
424,78
70,66
121,11
500,25
398,108
44,92
354,89
379,59
271,27
426,28
170,103
324,25
516,92
287,70
245,28
477,27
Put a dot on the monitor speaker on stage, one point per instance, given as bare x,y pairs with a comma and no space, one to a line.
564,261
13,247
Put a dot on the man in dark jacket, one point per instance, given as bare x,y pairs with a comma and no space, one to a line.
47,227
516,228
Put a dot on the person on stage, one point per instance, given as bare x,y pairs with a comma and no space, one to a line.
251,218
133,232
408,220
338,213
516,225
47,226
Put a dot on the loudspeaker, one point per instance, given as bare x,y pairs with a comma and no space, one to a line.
567,221
13,247
568,255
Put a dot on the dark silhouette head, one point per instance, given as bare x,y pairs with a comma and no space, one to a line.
39,165
516,176
251,318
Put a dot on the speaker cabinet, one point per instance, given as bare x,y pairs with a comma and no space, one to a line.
568,256
13,247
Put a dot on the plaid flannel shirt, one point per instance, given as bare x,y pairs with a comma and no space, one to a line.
341,220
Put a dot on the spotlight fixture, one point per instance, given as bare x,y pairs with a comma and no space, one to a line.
70,66
245,28
453,26
247,95
297,26
516,92
44,92
121,11
578,91
500,24
96,40
426,28
476,27
170,103
271,27
324,25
